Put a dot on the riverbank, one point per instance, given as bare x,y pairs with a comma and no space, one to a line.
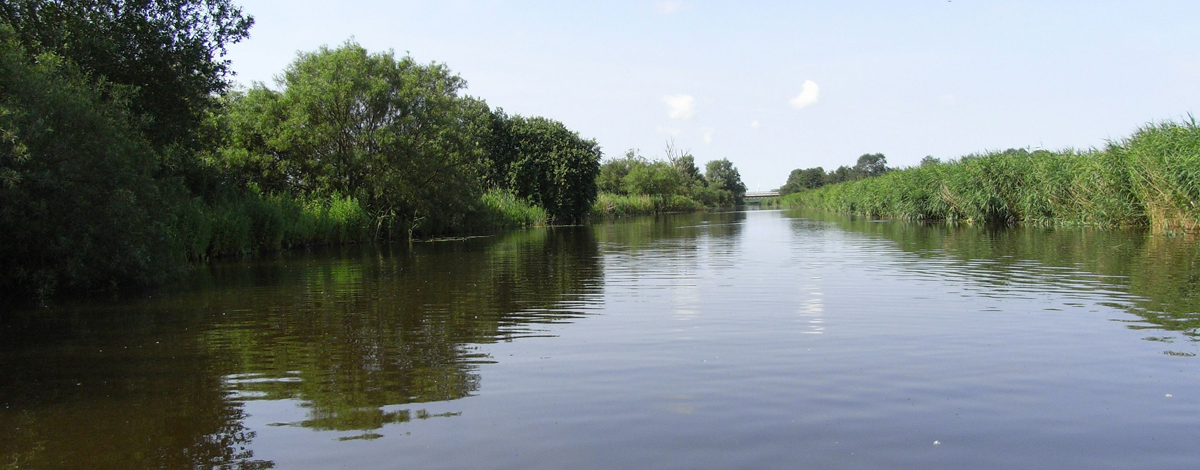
253,222
610,205
1151,179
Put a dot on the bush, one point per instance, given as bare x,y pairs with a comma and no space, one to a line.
80,207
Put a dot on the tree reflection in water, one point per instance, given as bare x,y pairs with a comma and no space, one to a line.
353,334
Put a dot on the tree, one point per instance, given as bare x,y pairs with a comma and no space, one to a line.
793,183
722,175
871,165
542,160
166,53
656,179
809,178
686,164
841,175
391,132
683,161
80,207
930,160
612,172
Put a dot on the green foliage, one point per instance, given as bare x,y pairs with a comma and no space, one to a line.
252,222
281,221
120,162
165,52
840,175
621,205
1148,179
389,132
613,172
635,185
870,165
501,209
798,180
655,179
722,175
80,207
686,164
1164,172
540,159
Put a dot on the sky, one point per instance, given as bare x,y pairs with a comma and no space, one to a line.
779,85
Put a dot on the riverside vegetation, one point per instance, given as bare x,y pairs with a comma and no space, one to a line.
1151,179
126,155
635,185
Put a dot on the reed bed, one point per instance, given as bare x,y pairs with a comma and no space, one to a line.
619,205
1150,179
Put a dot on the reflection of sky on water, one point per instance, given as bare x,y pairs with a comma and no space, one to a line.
699,341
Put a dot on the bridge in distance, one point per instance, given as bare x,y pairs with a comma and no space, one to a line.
753,196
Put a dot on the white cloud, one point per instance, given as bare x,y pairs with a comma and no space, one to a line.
680,106
706,135
809,93
948,100
755,124
667,8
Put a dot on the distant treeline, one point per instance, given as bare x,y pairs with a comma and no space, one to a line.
1151,179
868,165
637,185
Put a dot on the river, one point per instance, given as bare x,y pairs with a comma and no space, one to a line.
752,339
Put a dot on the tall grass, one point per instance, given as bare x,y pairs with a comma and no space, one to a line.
253,222
619,205
1149,179
502,209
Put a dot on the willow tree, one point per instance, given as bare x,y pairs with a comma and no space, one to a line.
393,133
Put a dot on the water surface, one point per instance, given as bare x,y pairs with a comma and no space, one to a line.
758,339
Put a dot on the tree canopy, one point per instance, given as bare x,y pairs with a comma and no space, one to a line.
540,159
392,132
721,174
870,165
80,206
168,53
798,179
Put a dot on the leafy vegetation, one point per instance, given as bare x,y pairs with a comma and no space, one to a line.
164,56
636,185
80,204
392,133
124,156
868,166
543,161
1148,179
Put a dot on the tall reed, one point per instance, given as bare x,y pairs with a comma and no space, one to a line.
1149,179
620,205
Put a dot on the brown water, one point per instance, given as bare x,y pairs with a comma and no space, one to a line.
758,339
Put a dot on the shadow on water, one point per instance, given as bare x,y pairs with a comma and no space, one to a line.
1154,277
353,335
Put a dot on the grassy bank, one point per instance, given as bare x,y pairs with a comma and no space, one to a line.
1150,179
619,205
256,223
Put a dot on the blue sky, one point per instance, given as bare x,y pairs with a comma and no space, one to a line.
775,86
